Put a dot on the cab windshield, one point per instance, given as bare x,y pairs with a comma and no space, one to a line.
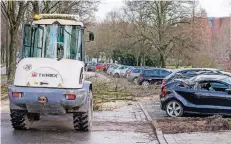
54,41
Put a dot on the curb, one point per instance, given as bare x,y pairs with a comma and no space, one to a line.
154,124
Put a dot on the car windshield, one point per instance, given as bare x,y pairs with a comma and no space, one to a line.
54,41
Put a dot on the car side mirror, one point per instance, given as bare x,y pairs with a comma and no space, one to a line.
228,91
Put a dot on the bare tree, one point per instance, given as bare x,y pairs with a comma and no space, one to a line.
13,11
157,22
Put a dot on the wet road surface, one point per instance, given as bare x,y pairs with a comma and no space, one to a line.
126,125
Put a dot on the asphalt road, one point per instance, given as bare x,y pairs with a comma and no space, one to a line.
126,125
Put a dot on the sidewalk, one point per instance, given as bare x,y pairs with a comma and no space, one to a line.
151,106
199,138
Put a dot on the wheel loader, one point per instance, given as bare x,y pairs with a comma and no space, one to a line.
50,74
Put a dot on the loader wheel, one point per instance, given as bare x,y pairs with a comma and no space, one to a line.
19,119
83,120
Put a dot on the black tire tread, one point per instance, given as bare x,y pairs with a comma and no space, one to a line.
80,121
18,119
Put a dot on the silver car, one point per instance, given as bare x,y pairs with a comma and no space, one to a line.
111,68
119,71
133,74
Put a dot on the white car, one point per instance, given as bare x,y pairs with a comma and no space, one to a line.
120,71
123,72
111,68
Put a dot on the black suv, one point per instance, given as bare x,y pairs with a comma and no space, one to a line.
152,76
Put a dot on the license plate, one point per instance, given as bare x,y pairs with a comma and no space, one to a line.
42,99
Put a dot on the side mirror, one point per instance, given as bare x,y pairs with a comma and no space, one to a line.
91,36
228,91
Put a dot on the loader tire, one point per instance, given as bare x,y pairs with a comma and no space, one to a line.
83,120
19,119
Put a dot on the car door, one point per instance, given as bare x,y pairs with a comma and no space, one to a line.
122,70
159,75
151,75
213,96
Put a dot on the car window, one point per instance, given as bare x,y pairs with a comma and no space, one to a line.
151,72
122,67
136,71
190,73
213,86
164,73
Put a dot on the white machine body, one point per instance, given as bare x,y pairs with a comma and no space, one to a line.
45,72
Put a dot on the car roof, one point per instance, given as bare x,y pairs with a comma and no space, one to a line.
147,69
186,69
210,77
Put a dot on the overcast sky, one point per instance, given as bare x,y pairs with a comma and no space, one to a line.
214,8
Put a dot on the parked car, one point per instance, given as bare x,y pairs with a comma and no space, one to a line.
106,66
119,71
203,94
152,76
99,66
226,73
133,74
111,68
129,70
90,67
123,72
186,73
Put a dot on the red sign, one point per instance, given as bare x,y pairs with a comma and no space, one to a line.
34,74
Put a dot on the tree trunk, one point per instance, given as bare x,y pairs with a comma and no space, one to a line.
144,61
162,61
3,48
35,7
7,48
137,60
12,59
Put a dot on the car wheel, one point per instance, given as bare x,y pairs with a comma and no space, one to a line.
174,109
145,84
116,75
19,119
135,81
83,120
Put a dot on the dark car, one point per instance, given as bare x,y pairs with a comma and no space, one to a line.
133,74
203,94
188,73
152,76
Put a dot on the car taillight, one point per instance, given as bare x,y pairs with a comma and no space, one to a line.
16,94
139,76
70,96
163,84
164,92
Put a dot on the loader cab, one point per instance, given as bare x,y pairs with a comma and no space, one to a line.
55,38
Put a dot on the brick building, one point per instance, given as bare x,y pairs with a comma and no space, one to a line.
220,31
